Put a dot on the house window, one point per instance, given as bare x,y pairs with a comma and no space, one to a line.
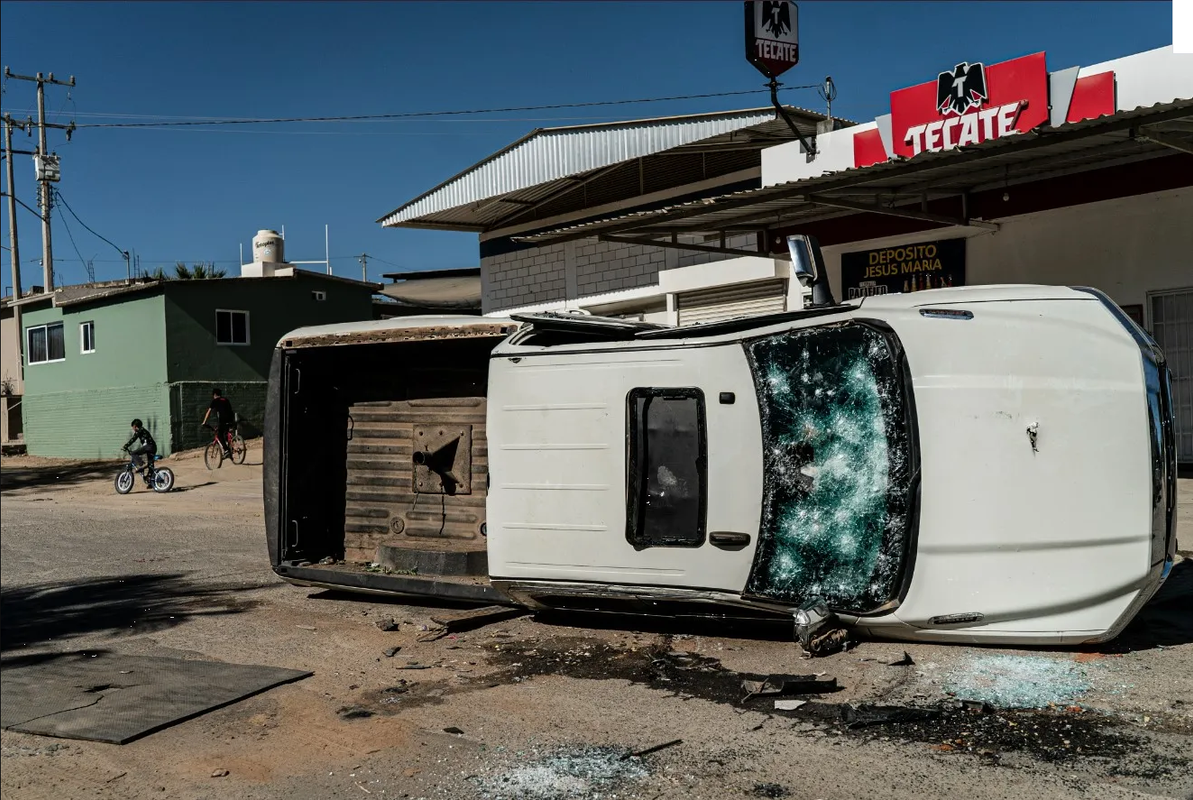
46,344
87,337
318,296
231,327
667,468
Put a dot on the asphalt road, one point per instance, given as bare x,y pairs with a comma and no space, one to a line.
534,708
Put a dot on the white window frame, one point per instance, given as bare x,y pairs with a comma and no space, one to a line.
83,337
45,327
248,337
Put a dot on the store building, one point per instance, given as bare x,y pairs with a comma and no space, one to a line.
566,176
1000,173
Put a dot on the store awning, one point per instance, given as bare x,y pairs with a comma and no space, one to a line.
605,162
905,187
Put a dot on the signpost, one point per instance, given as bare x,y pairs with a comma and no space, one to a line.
772,36
772,46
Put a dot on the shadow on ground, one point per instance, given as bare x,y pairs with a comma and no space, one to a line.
132,604
1166,620
15,478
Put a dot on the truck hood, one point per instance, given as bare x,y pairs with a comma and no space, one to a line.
1035,491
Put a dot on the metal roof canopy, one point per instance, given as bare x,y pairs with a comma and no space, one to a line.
901,187
549,163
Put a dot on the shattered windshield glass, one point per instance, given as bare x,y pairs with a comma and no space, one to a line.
838,465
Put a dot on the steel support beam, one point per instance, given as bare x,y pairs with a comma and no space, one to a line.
674,245
574,184
923,216
1167,140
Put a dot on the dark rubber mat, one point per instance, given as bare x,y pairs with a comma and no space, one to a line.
105,697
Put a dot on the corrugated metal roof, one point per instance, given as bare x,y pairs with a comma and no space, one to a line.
531,168
1066,148
96,292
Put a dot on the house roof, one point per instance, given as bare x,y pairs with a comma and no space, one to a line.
1073,147
443,290
402,329
548,162
78,294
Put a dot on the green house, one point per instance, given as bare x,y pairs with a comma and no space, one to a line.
96,356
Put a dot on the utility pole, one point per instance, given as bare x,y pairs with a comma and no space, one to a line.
47,165
363,258
9,124
14,253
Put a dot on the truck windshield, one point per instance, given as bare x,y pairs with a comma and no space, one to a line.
839,465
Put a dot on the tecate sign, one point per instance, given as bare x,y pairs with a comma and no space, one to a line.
772,36
970,103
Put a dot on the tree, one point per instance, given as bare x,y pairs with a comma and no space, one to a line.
204,270
199,272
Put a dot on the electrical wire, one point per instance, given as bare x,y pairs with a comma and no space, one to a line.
429,114
66,205
70,235
32,211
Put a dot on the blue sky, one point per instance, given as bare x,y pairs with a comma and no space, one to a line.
197,194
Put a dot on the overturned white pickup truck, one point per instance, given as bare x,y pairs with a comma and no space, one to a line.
988,464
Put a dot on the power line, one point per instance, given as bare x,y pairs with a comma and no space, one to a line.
429,114
32,211
71,236
66,205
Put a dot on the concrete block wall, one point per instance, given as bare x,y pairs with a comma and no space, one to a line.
94,423
524,277
742,241
584,268
612,266
189,401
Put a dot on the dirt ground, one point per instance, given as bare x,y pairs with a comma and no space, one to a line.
537,708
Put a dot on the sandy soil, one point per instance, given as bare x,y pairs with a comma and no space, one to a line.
186,575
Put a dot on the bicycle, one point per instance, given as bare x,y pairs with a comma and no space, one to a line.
213,455
160,479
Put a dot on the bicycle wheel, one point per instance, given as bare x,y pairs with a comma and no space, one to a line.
163,480
213,456
240,450
124,482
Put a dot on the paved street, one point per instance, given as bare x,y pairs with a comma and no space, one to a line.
533,708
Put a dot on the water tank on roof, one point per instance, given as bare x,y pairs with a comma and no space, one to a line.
268,246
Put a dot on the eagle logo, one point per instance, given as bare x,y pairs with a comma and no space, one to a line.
776,18
962,89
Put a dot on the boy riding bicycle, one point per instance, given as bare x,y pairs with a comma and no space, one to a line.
224,418
142,447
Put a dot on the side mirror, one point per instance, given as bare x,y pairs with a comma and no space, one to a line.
808,265
801,260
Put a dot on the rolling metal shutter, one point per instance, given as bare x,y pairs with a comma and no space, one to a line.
1172,328
729,302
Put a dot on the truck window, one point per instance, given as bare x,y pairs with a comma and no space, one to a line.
667,468
838,467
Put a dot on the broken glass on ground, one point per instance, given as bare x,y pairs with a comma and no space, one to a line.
838,467
563,774
1006,681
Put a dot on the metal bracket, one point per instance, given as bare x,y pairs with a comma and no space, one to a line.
809,147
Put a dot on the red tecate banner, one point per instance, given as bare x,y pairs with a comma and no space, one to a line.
970,103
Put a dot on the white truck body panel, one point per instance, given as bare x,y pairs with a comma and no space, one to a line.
1043,537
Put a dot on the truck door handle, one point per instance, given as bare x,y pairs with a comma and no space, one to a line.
729,540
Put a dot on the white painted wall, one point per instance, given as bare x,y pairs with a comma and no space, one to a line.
1145,79
787,162
1125,247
